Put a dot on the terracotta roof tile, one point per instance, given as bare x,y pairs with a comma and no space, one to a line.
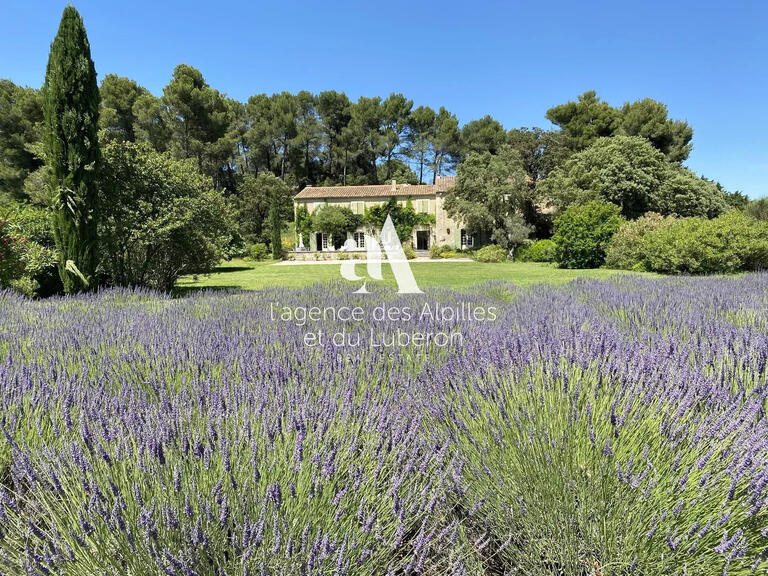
445,183
375,191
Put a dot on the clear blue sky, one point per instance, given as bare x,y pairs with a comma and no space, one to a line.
706,60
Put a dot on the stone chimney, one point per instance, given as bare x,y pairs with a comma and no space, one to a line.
394,185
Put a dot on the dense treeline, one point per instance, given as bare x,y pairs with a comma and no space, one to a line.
254,155
325,138
301,138
511,185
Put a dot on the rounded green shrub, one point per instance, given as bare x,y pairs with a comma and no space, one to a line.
437,250
491,253
539,251
409,252
258,251
758,209
734,242
583,231
626,250
730,243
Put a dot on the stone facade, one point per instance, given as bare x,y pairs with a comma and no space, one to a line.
425,198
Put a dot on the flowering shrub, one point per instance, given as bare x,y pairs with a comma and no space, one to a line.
597,428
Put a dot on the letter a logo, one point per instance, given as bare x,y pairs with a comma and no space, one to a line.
390,243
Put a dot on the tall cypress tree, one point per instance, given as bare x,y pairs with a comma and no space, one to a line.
276,224
71,114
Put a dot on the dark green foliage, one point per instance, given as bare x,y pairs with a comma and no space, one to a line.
585,120
737,200
365,134
589,118
37,188
160,218
682,193
629,172
303,222
198,117
398,171
582,233
150,122
21,118
539,251
758,209
118,98
254,202
648,119
624,170
490,195
71,115
276,223
626,250
439,251
404,218
396,113
32,225
483,135
258,251
540,151
421,124
446,146
11,264
491,253
334,110
730,243
336,221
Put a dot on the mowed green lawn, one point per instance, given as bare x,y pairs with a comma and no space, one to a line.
249,275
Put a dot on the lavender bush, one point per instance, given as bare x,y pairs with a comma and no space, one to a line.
597,428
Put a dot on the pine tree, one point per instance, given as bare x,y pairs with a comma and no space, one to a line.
71,114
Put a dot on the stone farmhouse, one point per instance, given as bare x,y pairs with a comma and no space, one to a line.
425,198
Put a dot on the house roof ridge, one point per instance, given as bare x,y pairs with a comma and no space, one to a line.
441,184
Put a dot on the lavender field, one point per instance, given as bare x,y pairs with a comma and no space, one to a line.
598,428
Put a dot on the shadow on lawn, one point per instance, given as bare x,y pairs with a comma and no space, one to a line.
232,269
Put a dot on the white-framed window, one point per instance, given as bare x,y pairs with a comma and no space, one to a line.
359,239
324,243
358,207
422,206
467,240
